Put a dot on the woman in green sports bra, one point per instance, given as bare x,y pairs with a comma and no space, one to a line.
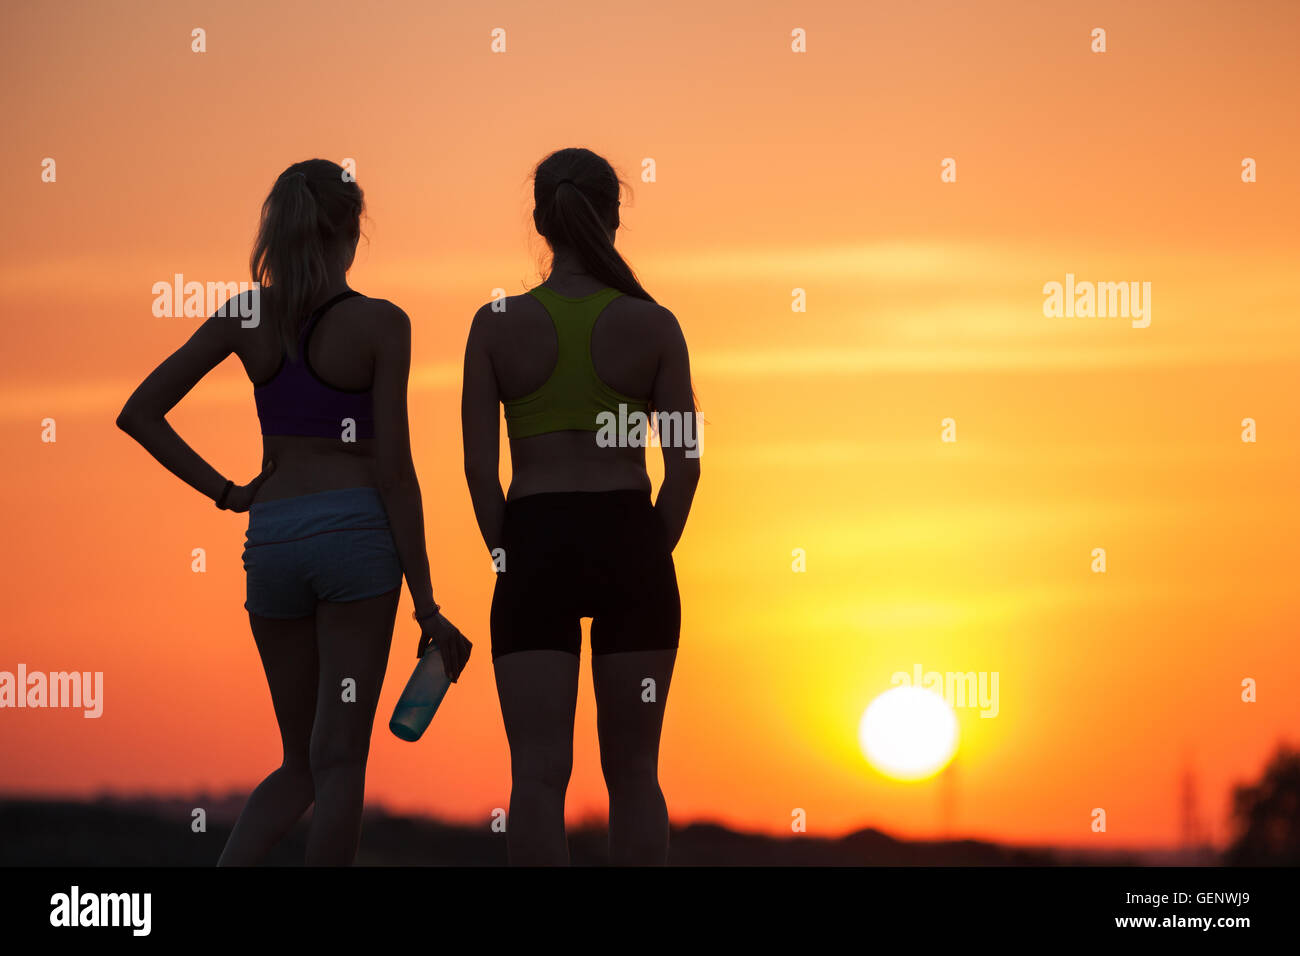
580,363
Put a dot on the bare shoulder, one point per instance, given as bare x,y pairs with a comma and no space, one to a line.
381,310
651,321
390,322
244,306
235,321
495,317
509,305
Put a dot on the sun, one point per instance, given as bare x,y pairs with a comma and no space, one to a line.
908,733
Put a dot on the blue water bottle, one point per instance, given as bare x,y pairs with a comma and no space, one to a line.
421,697
419,701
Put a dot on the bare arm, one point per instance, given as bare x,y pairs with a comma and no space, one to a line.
400,488
394,467
480,419
680,443
144,416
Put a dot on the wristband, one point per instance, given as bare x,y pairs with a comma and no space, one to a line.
221,500
420,620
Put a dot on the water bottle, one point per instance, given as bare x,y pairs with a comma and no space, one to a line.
424,692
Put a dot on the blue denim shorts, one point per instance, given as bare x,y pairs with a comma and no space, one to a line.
330,546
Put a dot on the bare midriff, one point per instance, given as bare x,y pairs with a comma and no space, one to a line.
306,466
572,461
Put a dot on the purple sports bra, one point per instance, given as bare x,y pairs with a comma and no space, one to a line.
294,401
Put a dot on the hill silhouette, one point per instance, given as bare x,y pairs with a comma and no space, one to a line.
149,831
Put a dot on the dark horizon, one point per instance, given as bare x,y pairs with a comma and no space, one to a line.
53,830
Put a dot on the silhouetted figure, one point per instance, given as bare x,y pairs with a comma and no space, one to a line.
335,516
1266,816
576,535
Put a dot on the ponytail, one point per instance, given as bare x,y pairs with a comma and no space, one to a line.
310,222
576,194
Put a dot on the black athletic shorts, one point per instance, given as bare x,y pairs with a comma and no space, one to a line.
570,555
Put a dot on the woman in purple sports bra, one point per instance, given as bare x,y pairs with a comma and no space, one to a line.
335,517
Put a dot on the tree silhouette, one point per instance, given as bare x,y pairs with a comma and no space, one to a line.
1266,815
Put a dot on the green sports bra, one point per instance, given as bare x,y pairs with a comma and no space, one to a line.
574,394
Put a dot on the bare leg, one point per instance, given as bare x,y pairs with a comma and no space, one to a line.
353,638
629,726
288,650
539,693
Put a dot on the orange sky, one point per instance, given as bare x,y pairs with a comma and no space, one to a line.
775,171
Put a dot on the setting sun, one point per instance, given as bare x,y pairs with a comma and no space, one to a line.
908,733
